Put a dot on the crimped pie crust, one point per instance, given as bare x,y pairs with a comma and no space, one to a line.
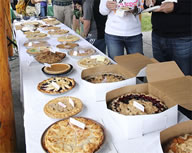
181,144
36,44
124,104
58,32
89,62
65,84
54,110
49,19
64,137
56,22
68,38
51,28
34,23
105,77
36,35
36,50
57,68
86,52
68,45
31,32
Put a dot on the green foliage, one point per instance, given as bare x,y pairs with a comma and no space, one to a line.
146,22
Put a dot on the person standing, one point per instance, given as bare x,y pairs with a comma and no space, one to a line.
172,32
63,11
122,31
43,8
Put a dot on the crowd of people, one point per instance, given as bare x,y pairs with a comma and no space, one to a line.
100,23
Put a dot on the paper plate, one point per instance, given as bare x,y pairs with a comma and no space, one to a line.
151,9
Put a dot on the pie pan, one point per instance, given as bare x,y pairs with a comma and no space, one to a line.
81,52
58,73
96,150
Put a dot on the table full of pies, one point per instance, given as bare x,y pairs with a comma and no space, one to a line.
61,114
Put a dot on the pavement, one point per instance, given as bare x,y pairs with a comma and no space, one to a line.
18,106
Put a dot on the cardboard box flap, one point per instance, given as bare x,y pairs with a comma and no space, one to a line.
133,62
163,71
179,90
175,131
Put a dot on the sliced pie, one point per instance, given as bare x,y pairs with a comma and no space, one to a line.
181,144
125,104
65,137
105,78
62,108
56,85
93,61
57,68
68,38
67,45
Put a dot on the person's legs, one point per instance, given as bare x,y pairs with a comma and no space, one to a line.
68,14
115,45
134,44
100,44
59,12
43,11
182,53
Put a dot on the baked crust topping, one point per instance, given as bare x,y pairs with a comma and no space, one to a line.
64,84
54,110
68,45
58,32
36,50
36,36
36,44
68,38
64,137
125,104
80,52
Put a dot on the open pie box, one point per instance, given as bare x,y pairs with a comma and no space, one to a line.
128,66
166,82
175,131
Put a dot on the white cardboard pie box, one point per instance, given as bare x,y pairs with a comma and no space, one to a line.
128,66
175,131
166,82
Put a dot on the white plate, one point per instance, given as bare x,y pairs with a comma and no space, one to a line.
151,9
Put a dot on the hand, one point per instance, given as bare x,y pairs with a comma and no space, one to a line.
111,5
166,7
150,3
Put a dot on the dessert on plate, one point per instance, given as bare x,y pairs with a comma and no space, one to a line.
67,45
68,38
30,44
36,36
81,52
58,32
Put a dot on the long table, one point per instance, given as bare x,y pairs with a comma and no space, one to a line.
35,120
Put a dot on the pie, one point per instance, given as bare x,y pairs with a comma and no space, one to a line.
64,137
56,85
81,52
67,45
33,23
93,61
124,104
58,32
38,50
54,109
36,36
36,44
51,28
18,27
68,38
50,57
58,68
49,19
181,144
55,22
104,78
31,32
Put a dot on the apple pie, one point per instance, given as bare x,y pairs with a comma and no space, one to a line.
67,45
56,85
124,104
50,57
104,78
89,62
64,137
181,144
62,108
68,38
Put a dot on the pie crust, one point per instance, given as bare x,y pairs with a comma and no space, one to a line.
36,36
54,110
68,45
58,32
181,144
124,104
49,19
63,137
51,28
56,22
57,68
82,52
31,32
33,23
68,38
18,27
64,83
35,50
104,78
89,62
31,44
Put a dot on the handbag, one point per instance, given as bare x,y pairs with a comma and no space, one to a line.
21,7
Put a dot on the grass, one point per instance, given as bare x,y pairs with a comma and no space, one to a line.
146,22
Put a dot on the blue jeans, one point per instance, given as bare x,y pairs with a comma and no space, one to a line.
100,44
43,11
174,49
116,44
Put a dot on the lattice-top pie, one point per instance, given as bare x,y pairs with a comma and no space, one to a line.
62,108
68,38
125,104
181,144
64,137
58,32
67,45
56,85
104,78
50,57
89,62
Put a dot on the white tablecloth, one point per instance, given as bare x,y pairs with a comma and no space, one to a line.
35,120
